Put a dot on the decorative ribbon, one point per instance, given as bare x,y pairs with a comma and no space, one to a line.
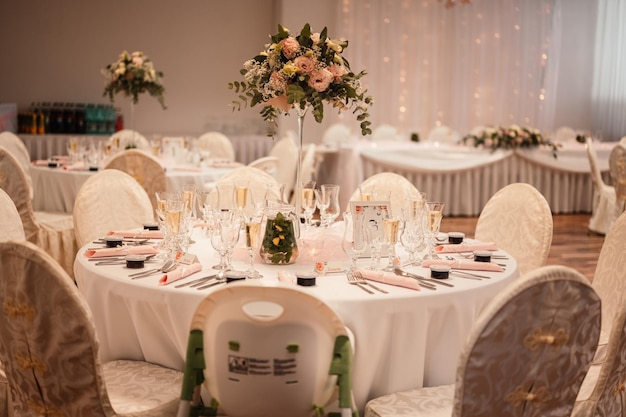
521,395
620,388
25,362
14,310
44,411
537,338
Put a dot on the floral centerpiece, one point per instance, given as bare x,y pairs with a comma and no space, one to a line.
133,74
302,71
511,137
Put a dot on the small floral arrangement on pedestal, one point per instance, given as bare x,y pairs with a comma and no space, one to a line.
302,71
133,74
511,137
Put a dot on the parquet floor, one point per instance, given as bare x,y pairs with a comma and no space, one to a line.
572,243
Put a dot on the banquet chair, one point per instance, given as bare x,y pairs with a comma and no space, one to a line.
266,351
109,200
336,134
518,219
256,180
400,190
607,397
527,354
218,145
385,132
128,139
12,143
286,151
144,168
53,232
49,346
617,169
603,204
564,134
269,164
443,135
11,227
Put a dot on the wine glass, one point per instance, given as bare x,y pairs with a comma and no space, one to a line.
189,211
374,239
412,237
224,237
308,202
354,241
434,213
391,228
253,240
174,218
328,203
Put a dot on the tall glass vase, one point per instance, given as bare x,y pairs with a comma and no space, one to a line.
132,120
301,112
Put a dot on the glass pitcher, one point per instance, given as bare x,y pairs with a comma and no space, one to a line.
280,238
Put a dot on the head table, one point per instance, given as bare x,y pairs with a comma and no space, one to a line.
403,339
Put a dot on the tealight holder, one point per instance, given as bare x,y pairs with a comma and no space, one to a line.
113,241
439,271
456,237
482,256
305,279
135,261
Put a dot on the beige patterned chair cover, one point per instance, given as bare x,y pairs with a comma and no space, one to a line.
603,205
218,145
268,164
11,227
53,232
608,396
11,142
518,219
399,188
336,135
144,168
287,153
256,180
128,139
526,356
49,346
110,200
617,168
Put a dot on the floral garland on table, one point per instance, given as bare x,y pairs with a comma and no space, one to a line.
512,137
301,71
133,74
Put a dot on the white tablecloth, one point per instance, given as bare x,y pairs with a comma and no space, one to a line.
403,340
55,189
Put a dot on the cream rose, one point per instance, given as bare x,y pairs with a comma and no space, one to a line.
304,64
320,80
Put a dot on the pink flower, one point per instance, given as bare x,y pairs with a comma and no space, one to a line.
279,102
278,82
290,47
488,143
320,80
305,64
338,71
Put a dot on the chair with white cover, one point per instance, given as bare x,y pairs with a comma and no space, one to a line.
443,135
396,188
617,169
263,350
255,179
564,134
12,143
144,168
218,145
49,347
518,219
53,232
603,204
336,134
385,132
527,354
11,227
110,200
268,164
286,151
128,139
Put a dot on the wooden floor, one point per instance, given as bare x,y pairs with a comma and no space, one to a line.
572,243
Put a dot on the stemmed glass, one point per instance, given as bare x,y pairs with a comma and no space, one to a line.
308,202
354,241
241,195
412,237
434,213
189,201
253,240
174,224
328,203
391,228
224,237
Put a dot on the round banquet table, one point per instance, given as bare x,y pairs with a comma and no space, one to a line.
403,340
55,189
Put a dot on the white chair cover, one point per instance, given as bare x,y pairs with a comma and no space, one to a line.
144,168
400,190
110,200
528,351
385,132
443,135
49,346
603,206
11,227
129,139
309,167
617,168
268,164
564,134
256,179
286,151
336,134
218,145
12,143
518,219
53,232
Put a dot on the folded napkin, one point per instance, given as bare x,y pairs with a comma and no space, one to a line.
466,247
121,251
461,264
223,164
187,168
389,278
287,277
180,272
41,162
138,234
76,166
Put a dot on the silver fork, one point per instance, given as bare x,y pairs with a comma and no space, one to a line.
359,277
355,281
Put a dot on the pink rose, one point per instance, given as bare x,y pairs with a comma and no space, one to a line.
290,47
279,102
304,64
338,71
488,143
320,80
278,82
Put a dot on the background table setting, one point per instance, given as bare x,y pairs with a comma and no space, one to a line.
408,333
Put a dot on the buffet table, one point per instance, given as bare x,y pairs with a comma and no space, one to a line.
404,339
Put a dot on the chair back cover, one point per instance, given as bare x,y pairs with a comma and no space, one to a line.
268,164
144,168
11,227
13,182
218,145
129,139
336,134
617,168
256,180
271,351
385,132
286,151
603,207
518,219
530,348
16,146
48,342
400,190
309,166
110,200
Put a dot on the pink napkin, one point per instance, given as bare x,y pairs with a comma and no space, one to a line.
461,264
223,164
76,166
180,272
390,278
41,162
121,251
187,168
287,277
466,247
138,234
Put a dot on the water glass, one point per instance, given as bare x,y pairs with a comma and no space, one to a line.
328,203
354,241
433,215
308,202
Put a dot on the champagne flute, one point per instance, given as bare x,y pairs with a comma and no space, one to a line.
308,202
174,224
253,239
391,228
354,241
241,195
434,213
189,212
